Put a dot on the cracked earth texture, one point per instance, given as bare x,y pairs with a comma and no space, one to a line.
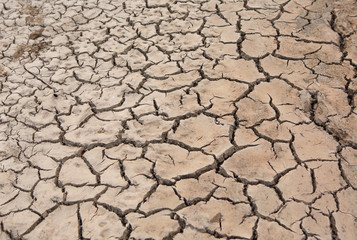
178,119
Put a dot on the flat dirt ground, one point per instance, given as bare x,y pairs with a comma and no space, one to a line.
178,119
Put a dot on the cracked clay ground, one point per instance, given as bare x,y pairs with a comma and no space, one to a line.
178,119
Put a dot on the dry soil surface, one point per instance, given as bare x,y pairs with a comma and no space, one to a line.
178,119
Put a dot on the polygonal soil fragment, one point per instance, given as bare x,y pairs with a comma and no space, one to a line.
144,227
252,163
75,171
235,69
173,161
196,128
220,216
99,223
64,217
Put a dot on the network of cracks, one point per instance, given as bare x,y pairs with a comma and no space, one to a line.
178,119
